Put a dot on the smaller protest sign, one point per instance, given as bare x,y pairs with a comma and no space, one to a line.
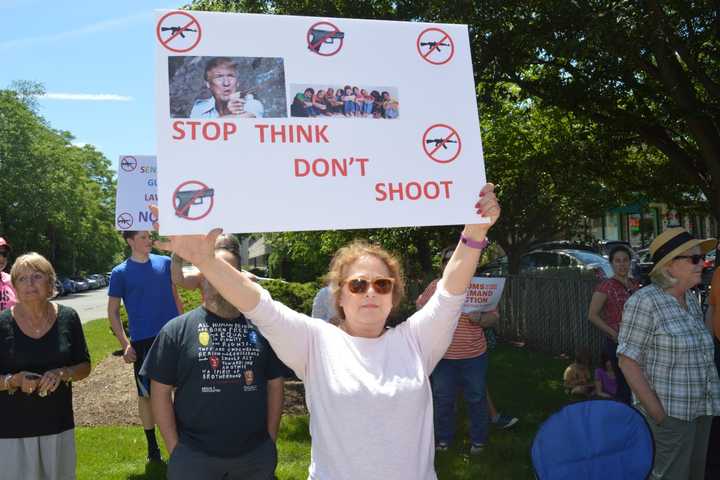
483,294
136,191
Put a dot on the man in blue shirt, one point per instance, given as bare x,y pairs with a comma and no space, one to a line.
143,284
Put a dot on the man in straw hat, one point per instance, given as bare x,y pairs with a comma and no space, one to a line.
666,353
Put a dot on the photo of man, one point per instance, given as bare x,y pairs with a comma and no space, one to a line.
221,78
236,87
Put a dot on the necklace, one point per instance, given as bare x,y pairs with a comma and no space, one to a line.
44,322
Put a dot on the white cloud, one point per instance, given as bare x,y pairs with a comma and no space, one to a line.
86,97
102,26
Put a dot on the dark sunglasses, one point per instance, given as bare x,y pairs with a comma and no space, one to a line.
695,259
4,253
382,285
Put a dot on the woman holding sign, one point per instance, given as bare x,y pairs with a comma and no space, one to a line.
367,386
464,366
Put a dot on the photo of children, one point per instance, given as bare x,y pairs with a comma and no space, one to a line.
344,101
240,87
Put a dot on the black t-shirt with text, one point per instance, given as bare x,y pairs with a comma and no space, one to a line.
62,346
220,369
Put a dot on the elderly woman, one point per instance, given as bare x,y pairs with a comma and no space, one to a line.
606,308
42,350
367,385
666,354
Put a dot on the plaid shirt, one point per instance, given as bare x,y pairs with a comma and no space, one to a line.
675,351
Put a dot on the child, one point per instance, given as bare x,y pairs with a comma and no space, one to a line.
577,377
348,102
605,383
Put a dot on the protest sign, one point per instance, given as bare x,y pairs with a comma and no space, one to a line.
136,191
271,123
483,294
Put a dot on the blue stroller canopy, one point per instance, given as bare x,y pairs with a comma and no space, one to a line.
594,439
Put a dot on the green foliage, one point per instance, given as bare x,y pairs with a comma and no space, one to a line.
649,72
191,299
298,296
58,199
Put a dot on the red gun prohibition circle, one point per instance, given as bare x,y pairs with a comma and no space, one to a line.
183,200
125,221
179,24
317,37
440,46
444,137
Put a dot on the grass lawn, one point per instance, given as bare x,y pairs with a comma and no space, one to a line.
522,383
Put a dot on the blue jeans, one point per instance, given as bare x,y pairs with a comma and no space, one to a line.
349,107
449,376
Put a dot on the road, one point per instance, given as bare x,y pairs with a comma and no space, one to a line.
90,304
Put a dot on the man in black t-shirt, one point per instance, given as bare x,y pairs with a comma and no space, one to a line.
228,392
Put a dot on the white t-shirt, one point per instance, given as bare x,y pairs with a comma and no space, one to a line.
369,399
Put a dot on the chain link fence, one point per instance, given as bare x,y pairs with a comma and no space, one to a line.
550,314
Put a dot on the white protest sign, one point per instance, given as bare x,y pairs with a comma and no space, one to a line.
483,294
270,123
136,191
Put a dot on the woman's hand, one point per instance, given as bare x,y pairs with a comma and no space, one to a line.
487,206
196,249
28,381
49,382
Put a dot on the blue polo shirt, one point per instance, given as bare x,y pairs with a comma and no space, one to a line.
146,291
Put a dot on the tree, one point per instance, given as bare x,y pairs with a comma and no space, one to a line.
649,72
554,161
58,199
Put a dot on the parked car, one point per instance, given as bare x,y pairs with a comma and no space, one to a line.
100,279
69,285
562,245
548,260
92,282
82,284
643,266
60,291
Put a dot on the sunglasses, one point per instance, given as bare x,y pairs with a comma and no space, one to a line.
381,285
4,253
695,259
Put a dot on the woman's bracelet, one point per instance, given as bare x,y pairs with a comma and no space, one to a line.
6,384
473,243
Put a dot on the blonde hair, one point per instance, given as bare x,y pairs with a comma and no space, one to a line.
662,278
33,262
348,255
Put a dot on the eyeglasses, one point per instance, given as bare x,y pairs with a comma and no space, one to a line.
4,253
381,285
695,259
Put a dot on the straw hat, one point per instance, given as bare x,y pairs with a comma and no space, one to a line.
674,241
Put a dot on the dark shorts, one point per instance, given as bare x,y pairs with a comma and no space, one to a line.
141,347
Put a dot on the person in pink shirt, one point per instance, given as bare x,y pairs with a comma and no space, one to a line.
606,308
7,292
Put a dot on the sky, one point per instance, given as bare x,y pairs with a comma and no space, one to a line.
96,61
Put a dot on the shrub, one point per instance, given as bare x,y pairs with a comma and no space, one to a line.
298,296
191,299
